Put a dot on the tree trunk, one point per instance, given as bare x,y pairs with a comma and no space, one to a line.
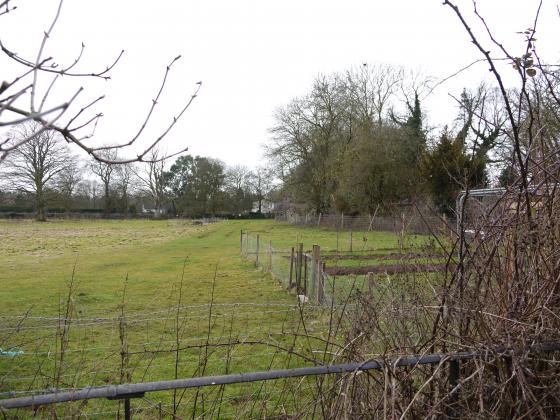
40,214
107,201
125,205
158,211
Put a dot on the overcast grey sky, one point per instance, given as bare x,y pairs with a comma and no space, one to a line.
253,56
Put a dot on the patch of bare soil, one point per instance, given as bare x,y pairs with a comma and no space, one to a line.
409,256
386,269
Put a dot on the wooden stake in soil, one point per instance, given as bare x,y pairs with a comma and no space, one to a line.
241,241
350,241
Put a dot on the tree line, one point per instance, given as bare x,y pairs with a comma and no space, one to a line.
349,145
358,142
43,173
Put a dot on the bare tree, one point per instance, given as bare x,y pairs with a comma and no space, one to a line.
124,184
370,89
238,187
36,163
88,191
106,172
151,175
261,184
236,177
72,121
68,180
305,139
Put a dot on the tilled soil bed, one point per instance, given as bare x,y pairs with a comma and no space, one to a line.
386,269
409,256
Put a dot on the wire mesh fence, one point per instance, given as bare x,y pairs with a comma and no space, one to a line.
296,269
63,353
347,263
410,220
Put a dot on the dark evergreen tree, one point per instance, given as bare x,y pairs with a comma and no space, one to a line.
444,170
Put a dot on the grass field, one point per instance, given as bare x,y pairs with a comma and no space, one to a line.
97,302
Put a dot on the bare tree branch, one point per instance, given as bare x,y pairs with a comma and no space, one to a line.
49,117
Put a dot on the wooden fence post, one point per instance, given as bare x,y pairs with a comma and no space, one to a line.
296,268
299,268
350,241
297,273
241,241
341,220
323,266
257,258
291,283
305,283
315,261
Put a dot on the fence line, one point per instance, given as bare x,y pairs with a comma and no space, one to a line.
29,215
104,323
133,315
409,221
250,335
43,391
297,270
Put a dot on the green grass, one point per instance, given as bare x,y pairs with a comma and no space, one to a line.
40,259
345,288
141,263
285,236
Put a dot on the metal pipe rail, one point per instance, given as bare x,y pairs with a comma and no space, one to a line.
138,389
127,391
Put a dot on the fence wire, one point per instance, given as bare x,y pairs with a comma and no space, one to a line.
296,269
64,353
408,220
